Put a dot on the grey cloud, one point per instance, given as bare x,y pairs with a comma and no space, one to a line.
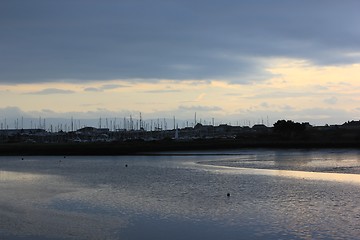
163,91
325,115
345,84
316,116
92,89
91,104
104,87
112,86
48,91
288,94
12,112
321,88
265,105
48,111
13,117
331,100
200,108
151,40
287,108
234,94
95,114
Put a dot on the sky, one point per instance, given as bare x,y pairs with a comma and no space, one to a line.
238,62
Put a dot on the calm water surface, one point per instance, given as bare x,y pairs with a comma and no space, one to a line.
274,194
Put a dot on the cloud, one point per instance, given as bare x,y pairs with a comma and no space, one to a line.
104,87
316,116
112,86
331,100
233,94
287,108
163,91
48,111
200,108
42,41
95,114
264,105
280,94
92,89
12,112
48,91
200,97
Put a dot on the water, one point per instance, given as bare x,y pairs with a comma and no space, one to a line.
274,194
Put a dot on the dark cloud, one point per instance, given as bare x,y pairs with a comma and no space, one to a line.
44,40
49,91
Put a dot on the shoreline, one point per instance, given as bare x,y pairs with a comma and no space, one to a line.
152,147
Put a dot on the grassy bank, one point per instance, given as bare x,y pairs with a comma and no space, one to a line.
142,147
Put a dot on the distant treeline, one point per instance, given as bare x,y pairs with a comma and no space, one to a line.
91,141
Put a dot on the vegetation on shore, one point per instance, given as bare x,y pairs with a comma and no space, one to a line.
284,134
153,147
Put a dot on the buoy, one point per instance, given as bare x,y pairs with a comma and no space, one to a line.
22,158
228,194
126,165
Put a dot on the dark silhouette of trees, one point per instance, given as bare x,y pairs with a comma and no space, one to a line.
289,128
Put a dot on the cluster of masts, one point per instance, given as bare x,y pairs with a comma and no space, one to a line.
113,124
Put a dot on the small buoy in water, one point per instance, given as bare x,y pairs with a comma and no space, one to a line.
228,194
64,156
126,165
22,158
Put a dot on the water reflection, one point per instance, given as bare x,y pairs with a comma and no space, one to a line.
338,161
338,177
9,176
174,197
